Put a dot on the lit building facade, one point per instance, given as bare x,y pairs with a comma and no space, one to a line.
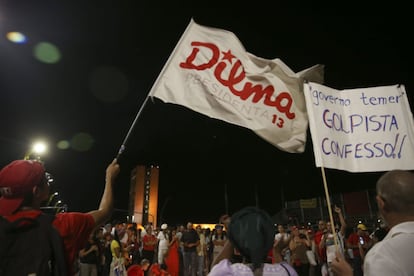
143,195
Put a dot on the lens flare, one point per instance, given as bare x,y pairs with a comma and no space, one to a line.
16,37
46,52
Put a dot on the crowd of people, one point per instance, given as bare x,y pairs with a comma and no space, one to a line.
244,243
174,251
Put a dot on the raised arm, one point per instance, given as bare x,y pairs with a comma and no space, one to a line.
106,205
341,220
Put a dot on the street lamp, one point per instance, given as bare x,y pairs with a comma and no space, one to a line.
38,148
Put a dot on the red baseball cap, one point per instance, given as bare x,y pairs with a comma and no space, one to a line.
17,179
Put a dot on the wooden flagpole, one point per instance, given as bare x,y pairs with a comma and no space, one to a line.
328,202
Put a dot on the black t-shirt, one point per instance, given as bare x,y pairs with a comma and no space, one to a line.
190,237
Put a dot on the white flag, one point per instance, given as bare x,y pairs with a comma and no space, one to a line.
210,72
361,130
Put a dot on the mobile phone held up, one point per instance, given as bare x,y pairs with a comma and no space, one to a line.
361,240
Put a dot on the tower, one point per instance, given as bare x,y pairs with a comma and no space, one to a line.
143,195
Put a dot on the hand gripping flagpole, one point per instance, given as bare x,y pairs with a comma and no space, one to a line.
123,146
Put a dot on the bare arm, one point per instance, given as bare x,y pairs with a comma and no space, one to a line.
322,243
83,252
341,220
225,253
107,201
292,244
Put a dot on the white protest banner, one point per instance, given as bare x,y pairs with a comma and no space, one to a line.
211,73
361,130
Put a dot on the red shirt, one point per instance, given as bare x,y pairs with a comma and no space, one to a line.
149,242
353,240
73,227
135,270
156,270
321,251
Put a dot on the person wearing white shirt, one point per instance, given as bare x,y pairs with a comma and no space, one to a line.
392,255
283,236
163,242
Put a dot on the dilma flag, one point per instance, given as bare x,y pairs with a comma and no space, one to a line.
210,72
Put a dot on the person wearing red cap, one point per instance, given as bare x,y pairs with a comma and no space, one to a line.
24,187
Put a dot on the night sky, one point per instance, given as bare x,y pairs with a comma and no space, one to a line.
111,52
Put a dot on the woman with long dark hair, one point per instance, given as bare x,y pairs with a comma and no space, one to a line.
172,259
